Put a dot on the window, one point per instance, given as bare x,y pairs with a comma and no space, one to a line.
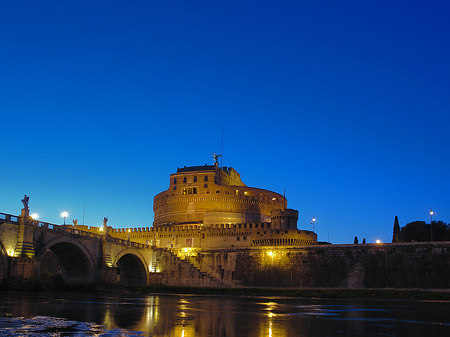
174,188
206,178
174,180
195,179
205,186
184,179
190,190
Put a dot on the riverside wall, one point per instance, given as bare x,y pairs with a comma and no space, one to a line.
404,265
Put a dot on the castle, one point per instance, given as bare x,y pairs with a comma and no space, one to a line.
209,207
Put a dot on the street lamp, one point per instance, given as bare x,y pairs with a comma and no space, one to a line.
313,221
64,215
431,223
34,216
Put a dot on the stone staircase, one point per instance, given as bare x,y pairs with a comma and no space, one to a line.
207,270
207,278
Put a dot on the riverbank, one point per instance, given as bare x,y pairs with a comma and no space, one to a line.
324,293
330,293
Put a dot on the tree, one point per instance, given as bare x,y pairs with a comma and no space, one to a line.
421,231
356,240
396,230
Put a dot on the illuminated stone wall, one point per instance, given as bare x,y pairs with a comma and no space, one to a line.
9,234
415,265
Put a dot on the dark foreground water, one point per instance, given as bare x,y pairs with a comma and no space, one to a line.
100,314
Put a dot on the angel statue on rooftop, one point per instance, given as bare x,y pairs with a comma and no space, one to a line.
216,158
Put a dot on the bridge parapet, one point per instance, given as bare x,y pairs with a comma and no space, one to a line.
4,217
72,230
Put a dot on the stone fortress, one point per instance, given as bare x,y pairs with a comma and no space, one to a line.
211,230
209,207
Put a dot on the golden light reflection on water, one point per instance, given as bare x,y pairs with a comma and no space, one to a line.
271,326
161,315
175,316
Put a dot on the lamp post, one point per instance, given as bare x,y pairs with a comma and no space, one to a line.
313,222
64,215
431,223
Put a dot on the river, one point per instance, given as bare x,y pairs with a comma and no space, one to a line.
127,314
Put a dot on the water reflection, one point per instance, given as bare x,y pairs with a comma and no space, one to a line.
189,315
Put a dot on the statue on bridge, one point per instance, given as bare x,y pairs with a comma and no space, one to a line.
25,209
75,222
105,221
25,200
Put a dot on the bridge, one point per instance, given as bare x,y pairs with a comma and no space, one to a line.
30,249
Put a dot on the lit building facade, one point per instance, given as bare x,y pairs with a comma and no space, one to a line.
209,207
211,195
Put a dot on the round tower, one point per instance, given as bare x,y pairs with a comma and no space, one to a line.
211,195
284,218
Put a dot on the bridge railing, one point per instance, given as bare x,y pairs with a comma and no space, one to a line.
127,243
8,218
68,230
4,217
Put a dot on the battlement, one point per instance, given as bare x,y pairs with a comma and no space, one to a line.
179,228
215,236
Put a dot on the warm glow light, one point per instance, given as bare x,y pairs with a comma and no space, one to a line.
64,214
270,253
35,216
153,268
431,212
101,229
378,241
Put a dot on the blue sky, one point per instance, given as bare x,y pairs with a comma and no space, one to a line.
344,104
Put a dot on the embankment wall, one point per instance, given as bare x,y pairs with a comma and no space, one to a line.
407,265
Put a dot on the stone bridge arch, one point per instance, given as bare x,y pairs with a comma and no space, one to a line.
3,262
76,262
131,267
